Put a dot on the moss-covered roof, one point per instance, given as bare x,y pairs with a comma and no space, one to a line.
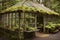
30,6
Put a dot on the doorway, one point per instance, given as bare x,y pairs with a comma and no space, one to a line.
40,23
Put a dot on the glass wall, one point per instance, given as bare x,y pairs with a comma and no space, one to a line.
27,20
18,22
10,21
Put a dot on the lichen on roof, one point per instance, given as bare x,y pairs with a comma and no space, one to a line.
30,6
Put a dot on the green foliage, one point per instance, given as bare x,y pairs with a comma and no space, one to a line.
40,25
30,29
8,3
55,5
52,27
57,24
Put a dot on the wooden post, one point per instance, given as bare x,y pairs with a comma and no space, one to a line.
19,26
10,20
35,21
44,23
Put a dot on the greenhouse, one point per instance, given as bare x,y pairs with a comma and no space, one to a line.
26,17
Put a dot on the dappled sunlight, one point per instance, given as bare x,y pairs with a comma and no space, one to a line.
41,35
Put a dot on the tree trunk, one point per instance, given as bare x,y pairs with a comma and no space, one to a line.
47,3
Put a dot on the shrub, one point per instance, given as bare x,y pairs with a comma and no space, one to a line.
30,29
51,27
58,26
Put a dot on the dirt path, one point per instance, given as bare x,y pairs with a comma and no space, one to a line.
41,36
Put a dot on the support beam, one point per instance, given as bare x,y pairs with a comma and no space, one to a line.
44,23
35,21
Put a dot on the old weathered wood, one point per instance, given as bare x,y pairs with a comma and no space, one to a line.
44,23
35,21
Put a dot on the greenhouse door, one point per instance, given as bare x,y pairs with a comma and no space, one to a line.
40,22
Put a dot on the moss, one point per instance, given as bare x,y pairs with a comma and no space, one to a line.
27,8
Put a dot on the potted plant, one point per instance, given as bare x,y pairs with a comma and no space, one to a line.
29,32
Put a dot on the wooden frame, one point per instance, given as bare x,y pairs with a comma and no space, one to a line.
44,23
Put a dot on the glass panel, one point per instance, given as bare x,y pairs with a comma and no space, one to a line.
2,20
15,21
31,25
10,21
29,20
29,15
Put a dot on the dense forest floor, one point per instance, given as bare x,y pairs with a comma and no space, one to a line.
41,36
